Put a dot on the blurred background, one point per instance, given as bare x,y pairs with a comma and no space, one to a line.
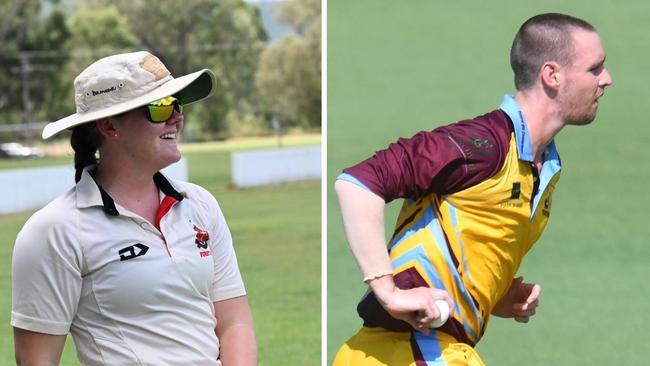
266,56
267,105
395,68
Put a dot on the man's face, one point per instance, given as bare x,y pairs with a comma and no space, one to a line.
585,79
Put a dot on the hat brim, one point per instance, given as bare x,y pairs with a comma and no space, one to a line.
189,88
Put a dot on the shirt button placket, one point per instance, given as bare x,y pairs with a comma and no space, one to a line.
151,229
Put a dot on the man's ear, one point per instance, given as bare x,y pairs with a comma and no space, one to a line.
106,128
550,75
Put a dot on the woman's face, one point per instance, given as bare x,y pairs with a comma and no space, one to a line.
148,145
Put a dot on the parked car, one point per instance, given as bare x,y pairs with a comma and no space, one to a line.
18,150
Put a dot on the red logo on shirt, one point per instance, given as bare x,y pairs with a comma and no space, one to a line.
202,237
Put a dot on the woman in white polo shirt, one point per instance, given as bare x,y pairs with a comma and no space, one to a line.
137,267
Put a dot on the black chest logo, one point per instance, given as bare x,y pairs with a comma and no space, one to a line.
133,251
516,191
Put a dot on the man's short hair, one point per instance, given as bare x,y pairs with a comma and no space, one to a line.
542,38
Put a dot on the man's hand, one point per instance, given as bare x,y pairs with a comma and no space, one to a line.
415,306
519,302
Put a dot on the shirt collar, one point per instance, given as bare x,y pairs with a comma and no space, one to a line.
522,136
90,194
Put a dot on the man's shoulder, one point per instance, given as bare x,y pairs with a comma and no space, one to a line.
483,133
495,122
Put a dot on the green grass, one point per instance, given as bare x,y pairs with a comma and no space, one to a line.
276,233
395,68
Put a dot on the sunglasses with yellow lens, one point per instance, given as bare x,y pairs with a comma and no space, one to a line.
162,110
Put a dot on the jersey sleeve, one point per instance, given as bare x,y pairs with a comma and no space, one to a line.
445,160
227,282
46,275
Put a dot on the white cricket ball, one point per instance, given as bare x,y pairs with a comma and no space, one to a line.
443,308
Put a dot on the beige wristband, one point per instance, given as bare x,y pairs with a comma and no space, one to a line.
373,277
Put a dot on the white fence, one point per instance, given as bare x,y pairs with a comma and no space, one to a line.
33,188
261,167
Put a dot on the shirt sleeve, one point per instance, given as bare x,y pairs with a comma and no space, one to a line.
46,275
445,160
227,282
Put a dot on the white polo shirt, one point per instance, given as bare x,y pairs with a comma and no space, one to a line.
129,294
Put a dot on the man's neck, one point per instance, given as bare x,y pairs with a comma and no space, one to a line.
542,119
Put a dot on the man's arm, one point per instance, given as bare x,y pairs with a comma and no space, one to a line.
363,219
235,332
37,349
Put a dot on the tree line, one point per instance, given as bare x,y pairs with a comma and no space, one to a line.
45,44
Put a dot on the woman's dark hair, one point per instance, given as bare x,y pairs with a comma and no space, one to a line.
85,142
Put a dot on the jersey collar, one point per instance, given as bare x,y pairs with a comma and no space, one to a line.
522,136
90,194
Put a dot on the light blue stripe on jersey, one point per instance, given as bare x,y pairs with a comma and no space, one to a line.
454,219
350,178
452,211
419,255
459,285
430,221
430,348
414,228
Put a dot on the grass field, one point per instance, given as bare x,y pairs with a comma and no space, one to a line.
276,231
395,68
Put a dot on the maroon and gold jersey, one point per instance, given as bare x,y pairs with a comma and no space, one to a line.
474,204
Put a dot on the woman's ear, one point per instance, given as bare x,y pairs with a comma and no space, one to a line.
106,128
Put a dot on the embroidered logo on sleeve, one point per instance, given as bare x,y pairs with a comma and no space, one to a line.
482,146
481,143
202,237
201,240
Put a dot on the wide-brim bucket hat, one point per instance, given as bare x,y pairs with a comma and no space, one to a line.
120,83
